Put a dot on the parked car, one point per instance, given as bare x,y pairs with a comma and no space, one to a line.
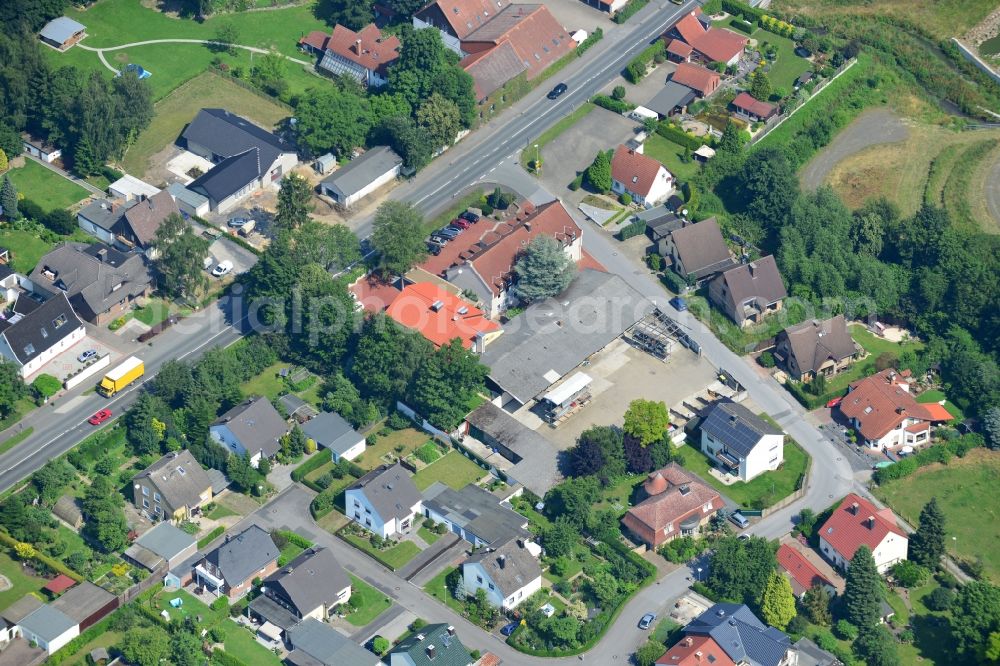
834,401
740,520
508,629
744,537
434,248
238,222
100,417
647,620
449,232
461,223
470,216
558,90
223,268
679,303
87,355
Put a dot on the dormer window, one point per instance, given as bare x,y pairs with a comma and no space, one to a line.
45,333
59,321
116,287
29,349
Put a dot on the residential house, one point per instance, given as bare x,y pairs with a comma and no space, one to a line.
748,292
330,431
62,33
801,573
807,653
33,333
679,51
487,269
441,317
247,158
566,330
490,69
508,574
308,587
749,108
457,19
139,224
129,188
49,628
231,568
699,79
21,609
164,545
857,522
384,501
99,217
362,176
434,645
364,56
739,441
190,204
673,99
101,283
660,222
696,651
743,637
707,44
884,412
675,503
40,148
696,250
175,487
253,428
644,179
816,347
8,632
315,643
532,457
474,514
609,6
85,604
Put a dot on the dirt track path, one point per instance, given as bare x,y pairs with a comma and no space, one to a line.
870,128
992,192
253,49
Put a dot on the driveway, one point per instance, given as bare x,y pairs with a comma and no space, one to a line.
65,363
647,88
870,128
575,15
224,249
576,148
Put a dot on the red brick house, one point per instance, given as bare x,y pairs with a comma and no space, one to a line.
700,79
677,503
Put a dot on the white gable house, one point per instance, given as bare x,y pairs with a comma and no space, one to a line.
508,575
384,501
743,443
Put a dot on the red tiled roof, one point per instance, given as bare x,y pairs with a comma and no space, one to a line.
749,103
587,261
465,16
373,294
439,316
537,37
59,584
689,28
696,651
937,412
696,77
374,52
848,529
637,172
719,45
880,404
678,48
316,39
802,572
672,506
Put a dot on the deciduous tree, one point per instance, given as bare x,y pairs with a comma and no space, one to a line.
543,270
353,14
386,358
12,387
446,384
331,119
560,538
440,118
398,237
975,615
145,646
179,258
646,420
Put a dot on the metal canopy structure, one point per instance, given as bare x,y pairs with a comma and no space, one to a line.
656,334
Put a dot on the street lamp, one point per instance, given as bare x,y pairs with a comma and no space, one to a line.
537,165
699,574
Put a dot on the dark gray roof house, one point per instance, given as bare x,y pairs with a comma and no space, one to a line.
474,514
534,458
748,291
810,654
163,544
697,249
434,645
672,98
140,222
21,608
552,337
35,328
330,431
229,176
102,214
253,427
179,480
660,221
317,644
739,633
361,175
390,491
217,134
312,580
813,345
510,567
736,426
240,557
85,603
95,277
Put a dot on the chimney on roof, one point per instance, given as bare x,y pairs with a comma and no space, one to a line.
753,268
685,489
854,508
451,630
501,560
431,652
721,612
357,46
527,225
437,305
871,522
102,254
697,655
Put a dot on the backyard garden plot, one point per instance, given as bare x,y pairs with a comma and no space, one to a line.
453,470
45,187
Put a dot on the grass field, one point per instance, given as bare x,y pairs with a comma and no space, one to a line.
787,66
428,536
394,557
26,247
179,108
938,396
946,18
46,188
370,602
13,441
549,135
453,470
21,583
934,164
966,491
407,439
670,155
439,590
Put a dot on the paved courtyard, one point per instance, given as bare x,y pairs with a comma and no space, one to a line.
621,374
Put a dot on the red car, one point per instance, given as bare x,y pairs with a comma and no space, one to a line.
100,417
834,402
460,223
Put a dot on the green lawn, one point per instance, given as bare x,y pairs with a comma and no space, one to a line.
289,553
439,590
14,440
104,640
549,135
153,313
454,470
966,492
875,345
46,188
268,383
370,602
427,535
21,583
670,155
220,511
394,558
406,440
241,644
760,492
788,66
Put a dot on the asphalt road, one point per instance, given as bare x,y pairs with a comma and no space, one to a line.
61,425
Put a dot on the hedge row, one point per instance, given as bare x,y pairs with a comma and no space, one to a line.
296,539
737,8
612,104
631,230
318,459
636,69
673,281
629,10
52,563
940,453
592,39
210,537
742,25
679,136
223,658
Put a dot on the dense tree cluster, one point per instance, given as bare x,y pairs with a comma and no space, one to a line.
543,270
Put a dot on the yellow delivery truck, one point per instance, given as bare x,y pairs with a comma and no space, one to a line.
126,373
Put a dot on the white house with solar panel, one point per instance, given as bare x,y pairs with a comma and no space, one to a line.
739,442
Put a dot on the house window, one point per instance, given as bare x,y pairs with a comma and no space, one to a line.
60,320
145,491
357,503
145,503
707,507
357,515
668,528
772,460
491,586
479,579
156,497
368,522
157,510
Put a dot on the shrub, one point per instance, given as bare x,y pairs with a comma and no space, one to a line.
592,39
825,640
679,136
766,360
618,92
612,104
673,282
625,198
427,453
629,10
846,630
909,574
654,261
633,229
577,182
221,604
312,464
217,634
418,624
940,599
116,324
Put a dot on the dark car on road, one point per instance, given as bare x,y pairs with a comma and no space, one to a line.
679,303
470,216
558,90
508,629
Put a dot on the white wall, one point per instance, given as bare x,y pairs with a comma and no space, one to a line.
475,572
97,232
224,437
372,186
893,549
351,453
765,457
37,363
360,510
55,644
